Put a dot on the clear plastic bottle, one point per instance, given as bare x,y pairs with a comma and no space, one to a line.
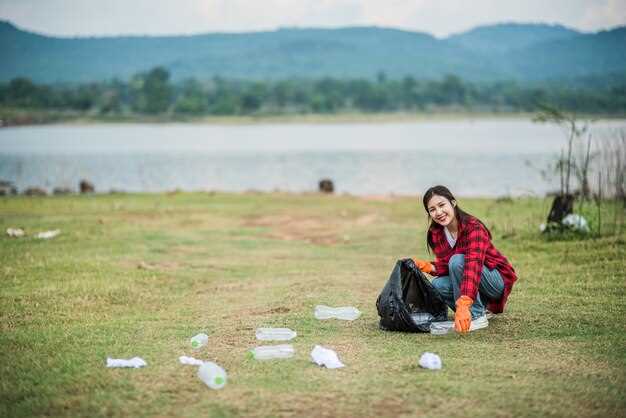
269,352
441,328
421,317
275,334
349,313
212,375
199,340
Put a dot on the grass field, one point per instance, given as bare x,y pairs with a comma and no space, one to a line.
138,275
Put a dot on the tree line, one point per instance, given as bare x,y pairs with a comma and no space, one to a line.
153,93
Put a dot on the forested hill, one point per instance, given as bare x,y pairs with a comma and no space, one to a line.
510,36
499,52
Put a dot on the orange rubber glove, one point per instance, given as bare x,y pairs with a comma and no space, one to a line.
424,266
462,316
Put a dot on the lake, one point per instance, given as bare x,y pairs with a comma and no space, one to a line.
474,157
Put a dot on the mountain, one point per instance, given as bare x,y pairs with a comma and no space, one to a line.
574,57
510,36
498,52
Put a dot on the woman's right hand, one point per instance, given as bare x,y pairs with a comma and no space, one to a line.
424,266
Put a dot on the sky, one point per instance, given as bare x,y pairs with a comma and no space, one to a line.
173,17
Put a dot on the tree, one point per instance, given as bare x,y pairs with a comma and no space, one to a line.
567,164
193,99
23,92
574,130
152,91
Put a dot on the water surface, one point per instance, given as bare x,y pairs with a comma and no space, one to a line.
487,157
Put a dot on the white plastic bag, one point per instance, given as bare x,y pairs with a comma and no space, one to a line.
325,357
430,361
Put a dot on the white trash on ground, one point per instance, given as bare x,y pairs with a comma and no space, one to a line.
48,234
441,328
190,361
430,361
422,317
199,340
269,352
325,357
275,334
444,327
212,375
15,232
576,222
349,313
573,222
135,362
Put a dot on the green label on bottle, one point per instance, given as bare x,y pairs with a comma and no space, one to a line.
219,380
195,344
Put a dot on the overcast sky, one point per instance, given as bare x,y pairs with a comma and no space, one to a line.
438,17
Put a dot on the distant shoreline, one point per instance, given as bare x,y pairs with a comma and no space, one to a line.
17,118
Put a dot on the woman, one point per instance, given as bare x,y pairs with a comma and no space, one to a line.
470,271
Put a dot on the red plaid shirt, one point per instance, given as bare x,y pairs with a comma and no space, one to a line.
474,242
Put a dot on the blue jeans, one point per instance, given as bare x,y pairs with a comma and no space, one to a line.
491,285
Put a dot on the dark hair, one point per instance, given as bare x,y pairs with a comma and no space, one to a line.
459,213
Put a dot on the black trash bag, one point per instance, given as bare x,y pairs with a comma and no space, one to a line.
408,302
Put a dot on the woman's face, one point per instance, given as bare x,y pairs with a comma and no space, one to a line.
441,210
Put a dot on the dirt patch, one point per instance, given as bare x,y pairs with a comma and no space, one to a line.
291,228
312,229
151,266
368,219
277,310
391,407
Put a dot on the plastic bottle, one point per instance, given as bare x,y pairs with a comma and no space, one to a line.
199,340
349,313
276,334
441,328
212,374
421,317
269,352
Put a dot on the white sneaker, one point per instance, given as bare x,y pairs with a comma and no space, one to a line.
479,323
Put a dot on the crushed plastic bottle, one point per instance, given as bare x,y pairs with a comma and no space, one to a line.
190,361
422,317
135,362
349,313
441,328
269,352
275,334
15,232
212,375
199,340
48,234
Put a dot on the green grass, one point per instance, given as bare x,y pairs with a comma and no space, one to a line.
138,275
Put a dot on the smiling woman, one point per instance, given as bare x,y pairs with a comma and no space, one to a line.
471,272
